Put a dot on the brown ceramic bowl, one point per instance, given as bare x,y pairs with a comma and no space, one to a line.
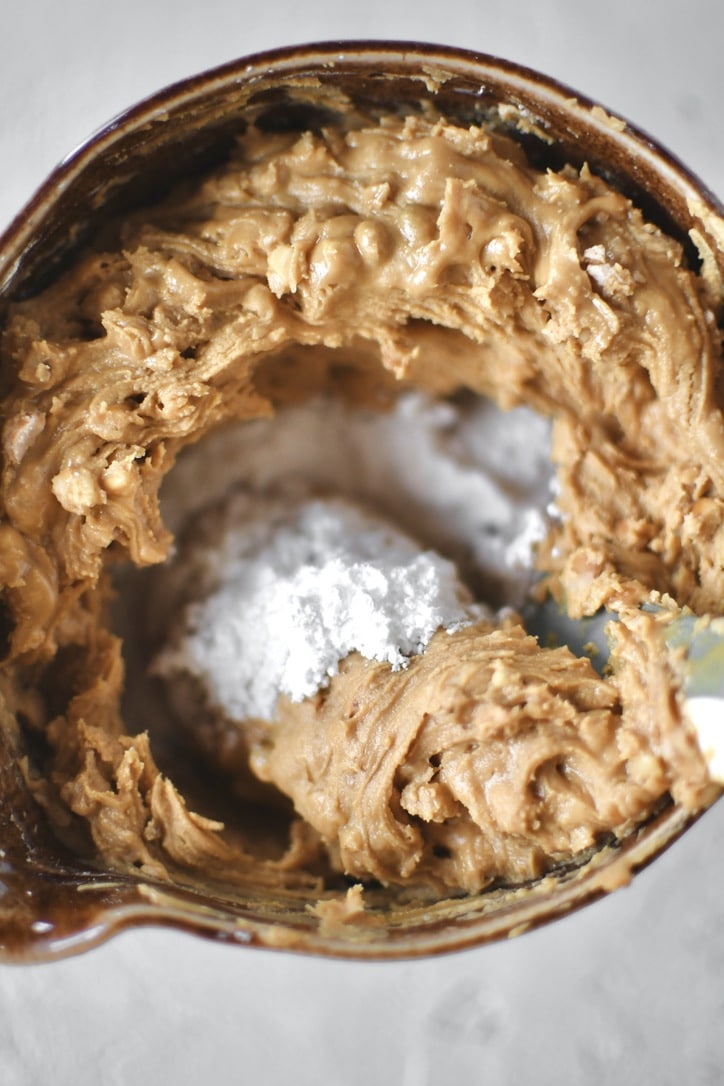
53,904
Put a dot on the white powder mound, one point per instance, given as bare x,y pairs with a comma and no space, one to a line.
298,587
287,586
464,478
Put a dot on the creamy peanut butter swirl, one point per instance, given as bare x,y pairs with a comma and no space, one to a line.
394,254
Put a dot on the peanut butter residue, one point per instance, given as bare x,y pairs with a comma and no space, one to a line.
360,262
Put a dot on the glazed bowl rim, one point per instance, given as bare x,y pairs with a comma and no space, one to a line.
287,58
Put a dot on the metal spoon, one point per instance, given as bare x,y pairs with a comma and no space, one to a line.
700,640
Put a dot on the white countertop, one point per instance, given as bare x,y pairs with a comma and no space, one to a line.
627,991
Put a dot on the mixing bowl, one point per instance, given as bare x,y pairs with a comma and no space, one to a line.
54,903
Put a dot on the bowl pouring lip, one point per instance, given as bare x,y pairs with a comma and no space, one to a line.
412,58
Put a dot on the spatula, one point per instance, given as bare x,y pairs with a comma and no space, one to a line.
700,641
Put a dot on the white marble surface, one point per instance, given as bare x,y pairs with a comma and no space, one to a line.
628,991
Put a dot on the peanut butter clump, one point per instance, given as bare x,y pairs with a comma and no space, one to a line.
360,262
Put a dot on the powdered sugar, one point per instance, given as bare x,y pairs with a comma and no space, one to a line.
299,588
463,478
287,584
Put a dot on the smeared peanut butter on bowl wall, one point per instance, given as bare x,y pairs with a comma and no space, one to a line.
388,378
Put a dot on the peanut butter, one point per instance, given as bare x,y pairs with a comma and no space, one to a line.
394,254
